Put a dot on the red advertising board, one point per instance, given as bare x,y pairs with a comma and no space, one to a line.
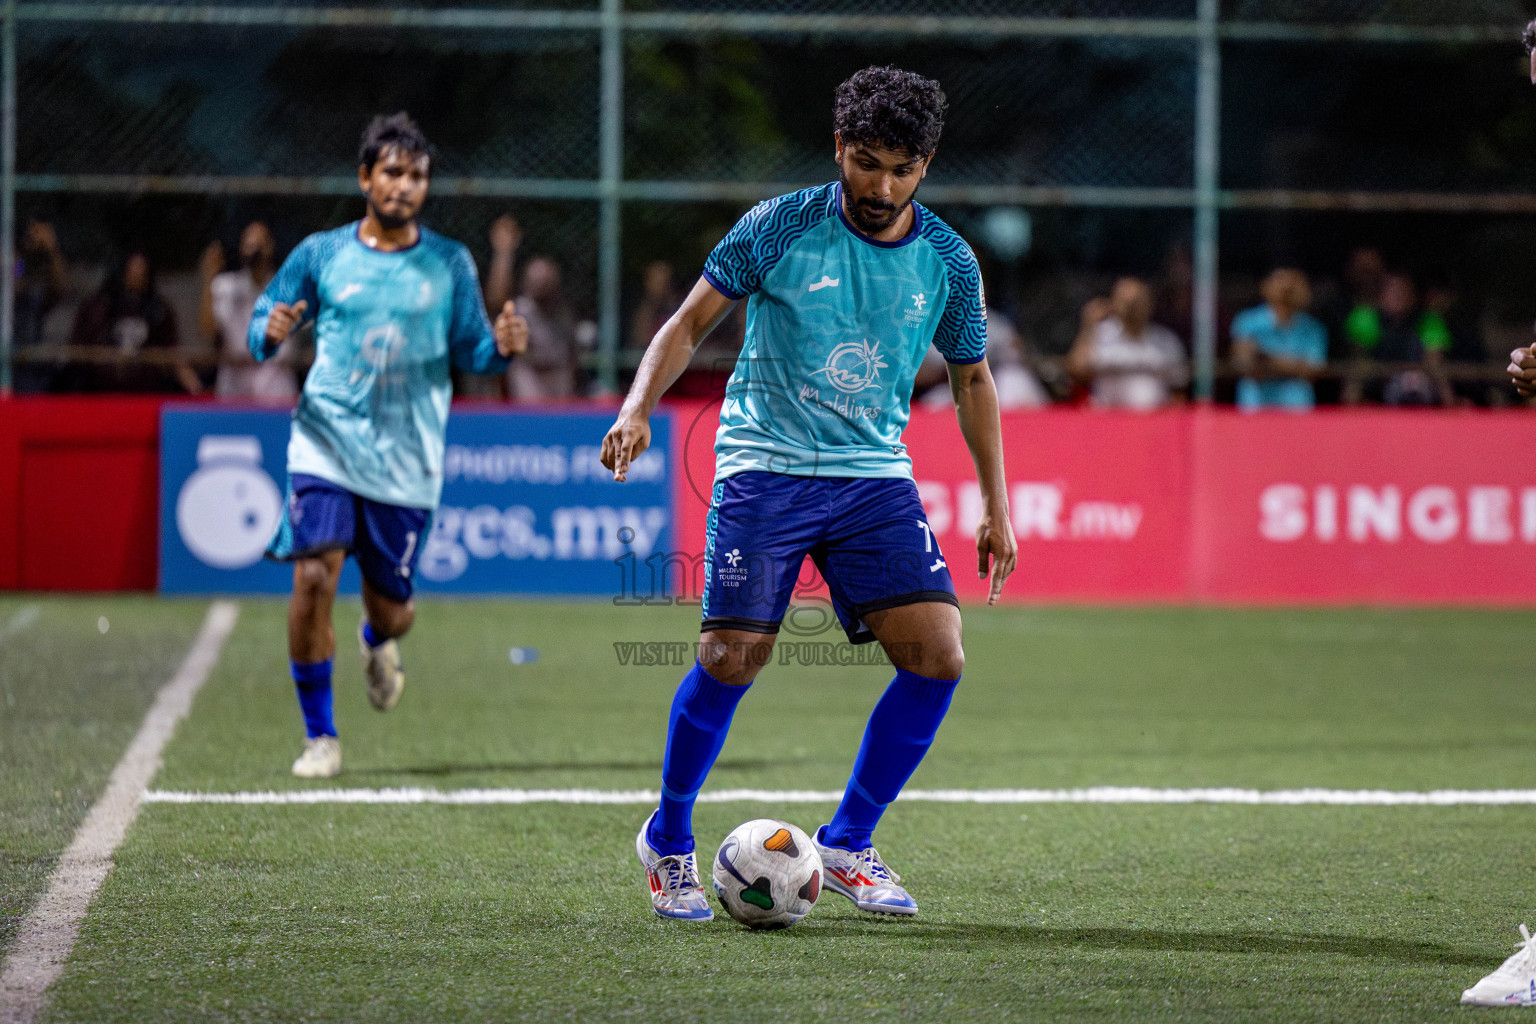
1339,506
78,492
1359,506
1365,506
1099,501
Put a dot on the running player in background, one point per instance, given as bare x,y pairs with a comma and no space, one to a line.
846,285
394,304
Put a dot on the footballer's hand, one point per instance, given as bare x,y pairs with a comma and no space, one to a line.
282,320
626,439
511,331
1522,371
996,545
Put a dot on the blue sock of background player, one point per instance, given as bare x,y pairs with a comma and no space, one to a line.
313,683
700,718
900,731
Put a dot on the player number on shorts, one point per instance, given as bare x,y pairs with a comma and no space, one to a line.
405,559
927,535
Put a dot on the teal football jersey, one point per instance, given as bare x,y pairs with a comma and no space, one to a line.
388,326
837,325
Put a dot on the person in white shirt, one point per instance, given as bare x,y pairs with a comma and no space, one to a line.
229,297
1130,362
1017,385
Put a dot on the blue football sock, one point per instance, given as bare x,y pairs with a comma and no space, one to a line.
313,683
900,731
369,637
701,716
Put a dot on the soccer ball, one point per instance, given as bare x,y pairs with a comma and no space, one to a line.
767,873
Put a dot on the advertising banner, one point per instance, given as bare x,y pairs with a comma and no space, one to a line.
222,482
527,508
1365,506
1099,501
1383,506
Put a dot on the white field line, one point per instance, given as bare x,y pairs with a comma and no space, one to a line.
25,616
1093,795
48,934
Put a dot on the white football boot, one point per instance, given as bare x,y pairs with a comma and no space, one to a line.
863,877
1513,984
386,675
321,758
674,881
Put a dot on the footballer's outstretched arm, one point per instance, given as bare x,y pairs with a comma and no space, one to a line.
976,408
665,360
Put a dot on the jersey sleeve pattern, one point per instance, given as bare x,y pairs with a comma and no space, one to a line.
751,249
962,332
471,339
296,280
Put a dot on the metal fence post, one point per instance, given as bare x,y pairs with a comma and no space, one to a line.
1207,173
610,263
7,195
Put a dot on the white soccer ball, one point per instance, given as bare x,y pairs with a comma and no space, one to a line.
767,873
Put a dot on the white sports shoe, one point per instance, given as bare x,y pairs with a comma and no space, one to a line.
863,877
386,675
674,881
321,758
1513,984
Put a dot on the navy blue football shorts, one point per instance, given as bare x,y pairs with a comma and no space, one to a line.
869,538
385,539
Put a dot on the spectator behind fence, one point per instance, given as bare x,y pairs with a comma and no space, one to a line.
505,236
659,299
124,321
228,299
548,369
1364,274
1397,332
1131,362
1279,347
41,278
1016,384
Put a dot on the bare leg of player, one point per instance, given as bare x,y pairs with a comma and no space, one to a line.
311,635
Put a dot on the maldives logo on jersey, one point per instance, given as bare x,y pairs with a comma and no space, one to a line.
854,366
381,345
917,312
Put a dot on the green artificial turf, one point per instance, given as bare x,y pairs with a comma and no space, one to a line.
71,697
1034,912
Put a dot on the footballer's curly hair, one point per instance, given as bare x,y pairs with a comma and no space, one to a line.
393,131
890,108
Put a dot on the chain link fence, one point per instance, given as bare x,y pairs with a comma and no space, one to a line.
1398,124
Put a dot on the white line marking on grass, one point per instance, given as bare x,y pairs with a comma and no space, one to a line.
48,934
25,616
1093,795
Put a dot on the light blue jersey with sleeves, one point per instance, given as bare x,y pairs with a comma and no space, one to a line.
1303,338
388,326
837,325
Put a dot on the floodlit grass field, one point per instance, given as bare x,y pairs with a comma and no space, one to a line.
1035,912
